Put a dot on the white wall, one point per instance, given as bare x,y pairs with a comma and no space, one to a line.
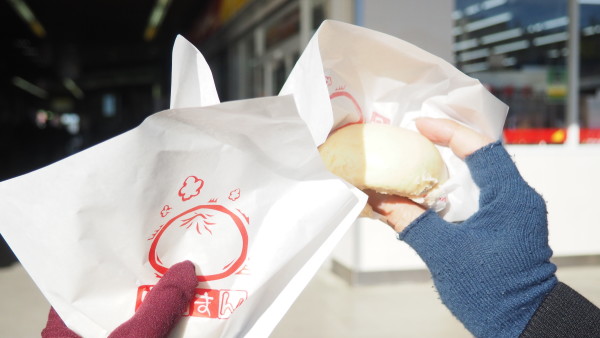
568,179
425,23
340,10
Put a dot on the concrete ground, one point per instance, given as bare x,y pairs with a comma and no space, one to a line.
327,308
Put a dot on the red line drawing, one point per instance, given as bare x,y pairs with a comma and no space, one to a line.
165,210
244,270
190,188
230,300
378,118
206,303
187,223
245,217
198,217
155,233
328,80
234,195
343,93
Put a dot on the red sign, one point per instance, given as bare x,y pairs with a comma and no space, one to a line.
207,303
548,135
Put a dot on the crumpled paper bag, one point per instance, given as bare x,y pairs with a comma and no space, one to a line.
372,77
238,188
192,83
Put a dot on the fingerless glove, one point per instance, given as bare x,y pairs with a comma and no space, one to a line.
493,270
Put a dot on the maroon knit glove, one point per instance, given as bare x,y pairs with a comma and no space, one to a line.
156,316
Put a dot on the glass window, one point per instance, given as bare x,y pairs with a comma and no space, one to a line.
279,75
285,27
109,105
589,103
518,49
318,15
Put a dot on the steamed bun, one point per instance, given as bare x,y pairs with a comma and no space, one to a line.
384,158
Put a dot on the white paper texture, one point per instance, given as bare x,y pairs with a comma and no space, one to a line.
84,227
192,83
238,187
372,77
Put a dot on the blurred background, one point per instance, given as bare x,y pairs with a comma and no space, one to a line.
75,73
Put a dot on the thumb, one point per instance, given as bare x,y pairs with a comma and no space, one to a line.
462,140
55,327
164,304
398,212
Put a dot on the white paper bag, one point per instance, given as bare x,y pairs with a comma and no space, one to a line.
238,188
192,83
371,77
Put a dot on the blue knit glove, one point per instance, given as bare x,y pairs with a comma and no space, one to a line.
493,270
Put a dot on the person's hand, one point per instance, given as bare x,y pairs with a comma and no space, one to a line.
156,316
400,211
493,270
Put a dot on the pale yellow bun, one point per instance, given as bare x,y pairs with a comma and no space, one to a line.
384,158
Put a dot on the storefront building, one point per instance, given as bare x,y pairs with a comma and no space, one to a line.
519,49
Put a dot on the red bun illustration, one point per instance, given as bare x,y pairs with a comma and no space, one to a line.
353,108
212,236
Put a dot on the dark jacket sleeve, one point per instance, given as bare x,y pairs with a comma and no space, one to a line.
564,313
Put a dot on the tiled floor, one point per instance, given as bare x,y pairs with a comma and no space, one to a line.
327,308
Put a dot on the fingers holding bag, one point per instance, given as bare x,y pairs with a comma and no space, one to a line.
158,314
164,304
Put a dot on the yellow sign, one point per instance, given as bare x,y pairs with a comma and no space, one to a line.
556,83
229,8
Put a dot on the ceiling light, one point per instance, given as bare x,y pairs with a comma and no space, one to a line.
473,55
475,67
465,44
29,87
156,17
501,36
511,47
73,88
488,22
27,15
551,38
